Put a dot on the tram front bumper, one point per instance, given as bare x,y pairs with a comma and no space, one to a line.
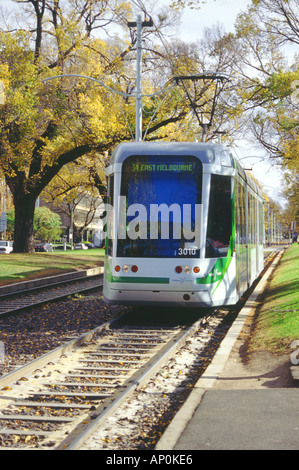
158,297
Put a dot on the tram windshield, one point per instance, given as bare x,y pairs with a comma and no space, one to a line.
220,217
160,207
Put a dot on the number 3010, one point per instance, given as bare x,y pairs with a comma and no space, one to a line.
187,251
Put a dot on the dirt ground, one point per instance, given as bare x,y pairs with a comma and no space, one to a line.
262,370
255,370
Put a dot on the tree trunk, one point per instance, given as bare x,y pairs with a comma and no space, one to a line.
24,215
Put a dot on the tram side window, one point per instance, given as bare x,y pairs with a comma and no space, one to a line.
251,219
261,222
254,222
220,217
241,228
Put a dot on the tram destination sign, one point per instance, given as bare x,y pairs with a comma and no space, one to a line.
143,167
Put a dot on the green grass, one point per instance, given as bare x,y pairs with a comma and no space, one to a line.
16,267
277,323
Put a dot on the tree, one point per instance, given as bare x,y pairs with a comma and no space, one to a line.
193,4
75,192
10,224
44,127
268,82
46,224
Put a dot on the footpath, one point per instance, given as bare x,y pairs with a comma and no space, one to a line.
239,405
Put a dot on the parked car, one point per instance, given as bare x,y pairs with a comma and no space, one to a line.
6,246
80,246
61,246
43,247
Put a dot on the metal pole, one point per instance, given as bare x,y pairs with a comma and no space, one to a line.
138,112
272,227
4,210
139,24
71,234
269,236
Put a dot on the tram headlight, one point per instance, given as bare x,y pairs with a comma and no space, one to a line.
187,269
125,268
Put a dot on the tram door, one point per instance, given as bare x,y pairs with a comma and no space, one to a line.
241,237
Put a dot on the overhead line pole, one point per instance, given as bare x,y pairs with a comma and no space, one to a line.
138,101
138,93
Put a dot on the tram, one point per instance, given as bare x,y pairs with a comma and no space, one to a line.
184,226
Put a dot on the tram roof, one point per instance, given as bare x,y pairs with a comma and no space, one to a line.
207,152
215,154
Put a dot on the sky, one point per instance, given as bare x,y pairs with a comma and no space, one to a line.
193,23
213,11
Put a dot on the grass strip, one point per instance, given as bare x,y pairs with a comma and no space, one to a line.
15,267
277,322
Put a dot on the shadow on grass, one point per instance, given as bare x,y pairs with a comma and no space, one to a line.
285,289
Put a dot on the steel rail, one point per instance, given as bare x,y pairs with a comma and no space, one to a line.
106,395
23,299
137,381
35,284
51,356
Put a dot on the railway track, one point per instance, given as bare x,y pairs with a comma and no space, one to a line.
54,401
58,400
15,301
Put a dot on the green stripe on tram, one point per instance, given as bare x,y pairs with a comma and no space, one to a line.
140,280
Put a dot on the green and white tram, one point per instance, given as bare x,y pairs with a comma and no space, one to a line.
185,226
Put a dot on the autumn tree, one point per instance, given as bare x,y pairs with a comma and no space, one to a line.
267,79
46,224
267,73
45,126
80,183
41,131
